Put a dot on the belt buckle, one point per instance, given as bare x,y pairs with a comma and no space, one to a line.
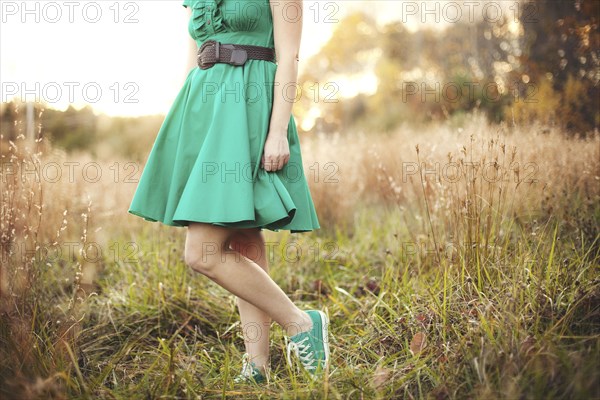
238,56
201,63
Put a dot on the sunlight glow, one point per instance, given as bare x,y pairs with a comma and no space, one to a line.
133,60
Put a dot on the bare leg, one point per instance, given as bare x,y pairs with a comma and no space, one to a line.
255,322
207,252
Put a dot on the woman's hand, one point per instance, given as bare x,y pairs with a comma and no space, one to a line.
276,152
286,37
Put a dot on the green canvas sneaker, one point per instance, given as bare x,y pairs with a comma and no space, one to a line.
311,347
250,372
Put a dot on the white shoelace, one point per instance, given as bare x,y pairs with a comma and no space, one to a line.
246,367
302,351
247,370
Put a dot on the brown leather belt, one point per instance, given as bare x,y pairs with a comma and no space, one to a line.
212,51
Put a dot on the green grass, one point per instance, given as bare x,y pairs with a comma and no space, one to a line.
455,286
528,327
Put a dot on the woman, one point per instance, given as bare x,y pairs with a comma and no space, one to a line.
233,115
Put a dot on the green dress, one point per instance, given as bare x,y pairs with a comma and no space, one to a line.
204,165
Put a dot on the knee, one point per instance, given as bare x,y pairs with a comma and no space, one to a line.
203,260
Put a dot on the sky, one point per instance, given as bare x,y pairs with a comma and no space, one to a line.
128,58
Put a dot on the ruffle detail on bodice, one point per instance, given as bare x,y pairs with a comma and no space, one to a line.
206,19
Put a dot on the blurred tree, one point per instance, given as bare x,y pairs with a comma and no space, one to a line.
348,52
541,104
72,129
499,66
560,42
8,116
422,76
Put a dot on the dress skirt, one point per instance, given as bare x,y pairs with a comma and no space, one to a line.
204,165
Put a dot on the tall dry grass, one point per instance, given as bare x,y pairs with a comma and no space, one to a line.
538,170
466,210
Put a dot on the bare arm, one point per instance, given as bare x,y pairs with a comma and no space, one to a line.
287,33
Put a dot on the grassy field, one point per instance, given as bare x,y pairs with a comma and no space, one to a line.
456,261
